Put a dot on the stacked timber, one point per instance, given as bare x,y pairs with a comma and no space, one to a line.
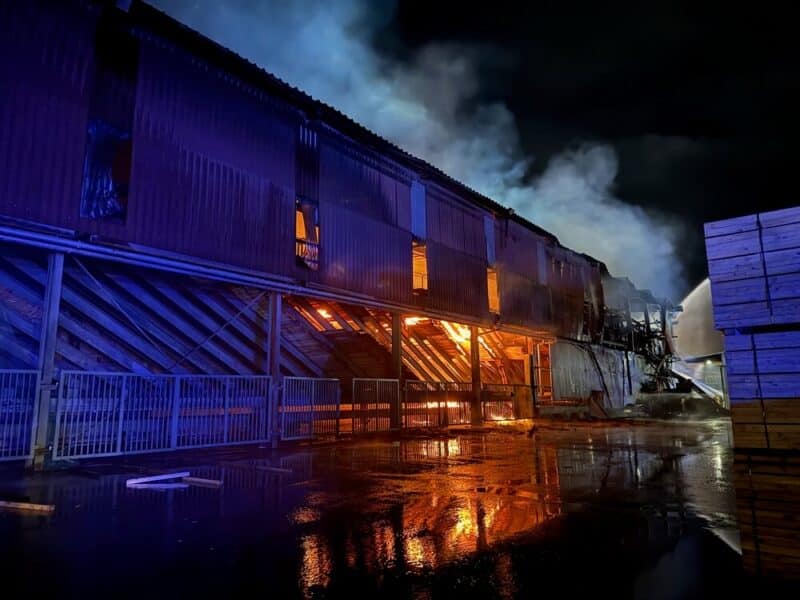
754,267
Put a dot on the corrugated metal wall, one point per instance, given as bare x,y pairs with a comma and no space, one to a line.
213,168
364,255
575,375
360,182
43,105
214,176
454,224
456,281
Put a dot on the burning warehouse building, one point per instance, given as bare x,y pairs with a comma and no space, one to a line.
192,253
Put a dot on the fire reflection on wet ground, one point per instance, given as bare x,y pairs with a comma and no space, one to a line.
490,513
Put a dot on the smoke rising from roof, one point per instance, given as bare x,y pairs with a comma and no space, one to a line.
430,106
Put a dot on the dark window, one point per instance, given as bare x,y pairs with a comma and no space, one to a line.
109,140
106,172
306,227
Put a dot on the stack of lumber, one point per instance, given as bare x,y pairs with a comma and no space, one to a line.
754,267
768,508
764,387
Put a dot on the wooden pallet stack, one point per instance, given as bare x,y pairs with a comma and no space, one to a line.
754,267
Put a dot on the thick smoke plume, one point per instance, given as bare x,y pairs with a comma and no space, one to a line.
429,106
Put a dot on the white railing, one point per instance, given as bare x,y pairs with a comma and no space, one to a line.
17,413
311,407
104,414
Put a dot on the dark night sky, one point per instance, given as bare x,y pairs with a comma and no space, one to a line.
696,101
699,102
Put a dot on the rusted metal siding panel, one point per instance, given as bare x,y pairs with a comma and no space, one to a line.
364,255
454,224
456,282
357,181
213,179
43,106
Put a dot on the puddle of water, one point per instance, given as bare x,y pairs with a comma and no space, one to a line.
493,513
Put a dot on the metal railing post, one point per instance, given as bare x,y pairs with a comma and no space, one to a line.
176,409
226,410
338,408
59,409
121,426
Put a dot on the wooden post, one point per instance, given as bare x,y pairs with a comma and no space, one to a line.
274,341
397,367
47,359
475,413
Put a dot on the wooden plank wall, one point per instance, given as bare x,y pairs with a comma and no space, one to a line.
754,267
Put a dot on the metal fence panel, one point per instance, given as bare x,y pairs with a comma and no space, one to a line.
103,414
436,403
17,413
376,405
215,410
311,407
248,409
147,406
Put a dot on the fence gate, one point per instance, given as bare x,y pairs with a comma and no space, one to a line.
17,413
103,414
376,405
310,408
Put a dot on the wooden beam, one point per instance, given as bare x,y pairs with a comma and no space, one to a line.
176,344
170,303
383,338
256,320
312,312
439,358
95,314
324,341
47,358
336,310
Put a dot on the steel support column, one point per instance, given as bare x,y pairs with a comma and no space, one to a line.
274,353
530,376
47,358
397,366
475,412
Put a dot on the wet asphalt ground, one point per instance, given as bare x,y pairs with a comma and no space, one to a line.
630,511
